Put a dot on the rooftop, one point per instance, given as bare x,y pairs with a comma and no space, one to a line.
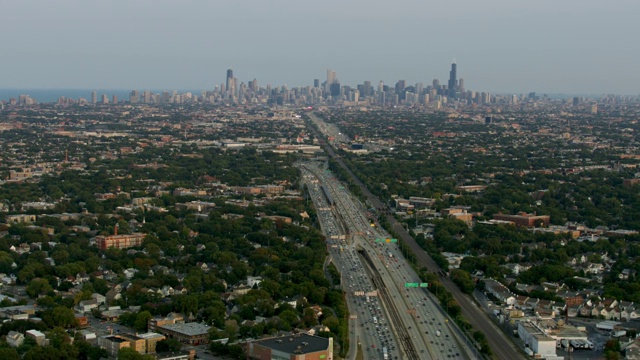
150,335
115,338
289,344
189,329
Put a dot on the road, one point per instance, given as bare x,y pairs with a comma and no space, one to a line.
500,345
368,323
392,311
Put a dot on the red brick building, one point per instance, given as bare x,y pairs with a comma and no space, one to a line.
123,241
293,347
524,219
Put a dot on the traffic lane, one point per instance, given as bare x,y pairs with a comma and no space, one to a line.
496,338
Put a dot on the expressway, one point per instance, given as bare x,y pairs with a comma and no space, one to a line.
501,346
368,324
416,320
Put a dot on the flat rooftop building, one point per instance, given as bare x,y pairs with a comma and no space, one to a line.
293,347
192,333
524,219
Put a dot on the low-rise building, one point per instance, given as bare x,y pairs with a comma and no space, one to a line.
112,344
38,336
15,339
524,219
122,241
535,339
151,339
293,347
191,333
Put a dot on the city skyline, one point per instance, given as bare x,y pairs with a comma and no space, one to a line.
547,47
233,90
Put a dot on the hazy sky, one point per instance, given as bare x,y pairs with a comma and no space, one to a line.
548,46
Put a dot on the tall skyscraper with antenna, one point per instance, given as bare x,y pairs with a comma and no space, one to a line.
453,80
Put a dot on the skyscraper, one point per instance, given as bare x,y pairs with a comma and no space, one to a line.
94,97
331,76
453,80
134,97
229,84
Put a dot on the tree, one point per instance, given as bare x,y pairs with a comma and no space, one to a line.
57,336
331,322
130,354
38,286
142,319
9,354
172,345
44,353
612,349
60,316
5,262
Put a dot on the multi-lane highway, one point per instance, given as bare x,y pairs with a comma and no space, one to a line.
368,321
393,311
500,345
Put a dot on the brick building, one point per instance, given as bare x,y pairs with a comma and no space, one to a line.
293,347
123,241
524,219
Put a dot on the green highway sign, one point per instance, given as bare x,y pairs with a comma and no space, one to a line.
411,285
394,240
424,284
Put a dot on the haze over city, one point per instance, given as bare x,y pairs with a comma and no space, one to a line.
573,47
330,180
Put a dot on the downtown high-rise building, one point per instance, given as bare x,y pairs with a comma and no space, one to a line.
453,81
331,77
134,97
230,83
94,97
332,86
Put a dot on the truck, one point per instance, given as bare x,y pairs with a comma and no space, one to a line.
437,332
385,353
618,333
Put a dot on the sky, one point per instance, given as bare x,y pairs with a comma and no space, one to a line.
500,46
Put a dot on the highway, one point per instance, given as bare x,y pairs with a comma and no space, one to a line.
416,320
501,346
368,323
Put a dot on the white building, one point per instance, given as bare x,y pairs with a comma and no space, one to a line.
540,343
15,339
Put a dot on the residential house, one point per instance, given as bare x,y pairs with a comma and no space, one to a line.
86,306
253,281
15,339
499,291
38,336
614,313
594,268
626,273
516,269
586,311
100,299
